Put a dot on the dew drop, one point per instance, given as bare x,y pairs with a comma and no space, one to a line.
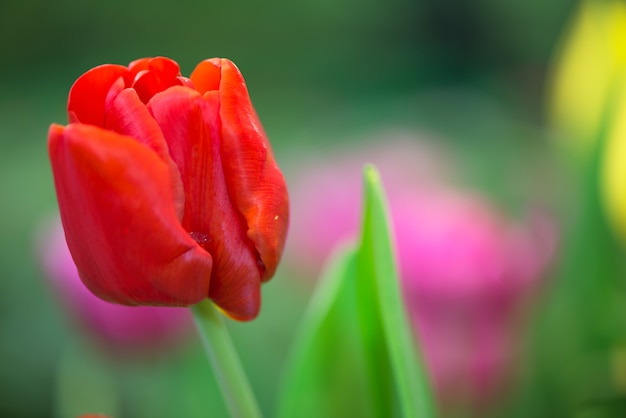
199,237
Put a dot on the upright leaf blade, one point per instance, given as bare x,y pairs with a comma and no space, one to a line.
356,336
393,361
324,375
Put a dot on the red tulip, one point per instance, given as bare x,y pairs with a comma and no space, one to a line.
167,186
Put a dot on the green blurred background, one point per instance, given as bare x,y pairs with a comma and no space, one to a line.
318,71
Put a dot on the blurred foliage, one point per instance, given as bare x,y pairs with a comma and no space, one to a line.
309,49
321,73
354,353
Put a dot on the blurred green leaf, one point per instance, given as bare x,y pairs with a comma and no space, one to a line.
585,321
355,354
394,367
325,371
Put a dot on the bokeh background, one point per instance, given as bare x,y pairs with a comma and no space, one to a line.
325,77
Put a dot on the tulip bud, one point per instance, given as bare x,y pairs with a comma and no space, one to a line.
167,186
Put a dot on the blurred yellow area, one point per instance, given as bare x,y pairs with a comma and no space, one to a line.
613,173
591,59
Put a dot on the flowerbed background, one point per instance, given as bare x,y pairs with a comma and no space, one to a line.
327,78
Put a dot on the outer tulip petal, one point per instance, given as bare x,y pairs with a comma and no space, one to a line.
255,182
88,95
117,210
127,115
190,125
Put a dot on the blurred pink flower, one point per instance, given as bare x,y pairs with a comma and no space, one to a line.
468,276
326,206
121,329
467,272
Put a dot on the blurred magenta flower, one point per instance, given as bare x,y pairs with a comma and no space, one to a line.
327,190
122,329
468,273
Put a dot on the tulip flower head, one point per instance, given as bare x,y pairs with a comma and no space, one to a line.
167,186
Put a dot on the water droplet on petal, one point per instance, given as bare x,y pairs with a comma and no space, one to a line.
200,237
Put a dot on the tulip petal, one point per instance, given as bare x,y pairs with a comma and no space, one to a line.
117,209
160,74
88,96
190,124
127,115
254,180
206,76
136,66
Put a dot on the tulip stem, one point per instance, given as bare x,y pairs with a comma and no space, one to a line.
230,376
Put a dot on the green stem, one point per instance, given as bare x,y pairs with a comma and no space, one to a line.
230,376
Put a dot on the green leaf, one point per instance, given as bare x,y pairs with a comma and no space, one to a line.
325,372
397,376
355,353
